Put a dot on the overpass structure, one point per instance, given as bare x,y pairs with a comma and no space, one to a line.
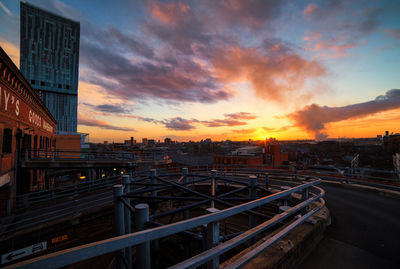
248,207
151,187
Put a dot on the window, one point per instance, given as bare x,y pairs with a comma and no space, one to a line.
7,140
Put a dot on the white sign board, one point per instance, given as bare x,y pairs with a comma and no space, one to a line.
16,254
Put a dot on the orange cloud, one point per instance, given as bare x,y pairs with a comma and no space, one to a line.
309,9
274,76
168,13
314,118
90,121
327,48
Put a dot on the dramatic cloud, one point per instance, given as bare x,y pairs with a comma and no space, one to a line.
251,13
234,119
241,116
333,31
113,38
245,131
274,73
277,130
327,48
223,122
192,53
168,13
82,120
313,118
180,79
309,10
117,109
179,124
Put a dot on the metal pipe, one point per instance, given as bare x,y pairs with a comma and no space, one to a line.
142,250
252,195
127,217
245,259
212,198
212,238
185,173
213,176
222,248
160,215
166,197
119,221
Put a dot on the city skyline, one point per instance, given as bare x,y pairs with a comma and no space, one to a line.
228,70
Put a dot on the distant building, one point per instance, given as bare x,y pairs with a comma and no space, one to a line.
273,154
237,160
151,142
391,143
144,141
167,141
396,164
49,59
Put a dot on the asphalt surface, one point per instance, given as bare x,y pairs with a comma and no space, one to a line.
365,231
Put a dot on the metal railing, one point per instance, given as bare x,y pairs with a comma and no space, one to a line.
141,238
32,198
47,154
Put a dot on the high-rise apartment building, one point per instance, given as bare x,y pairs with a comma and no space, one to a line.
49,48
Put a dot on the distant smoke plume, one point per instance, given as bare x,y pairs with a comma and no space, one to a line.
313,118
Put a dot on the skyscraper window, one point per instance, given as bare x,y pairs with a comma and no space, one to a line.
49,58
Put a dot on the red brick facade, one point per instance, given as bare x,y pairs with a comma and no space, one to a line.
25,124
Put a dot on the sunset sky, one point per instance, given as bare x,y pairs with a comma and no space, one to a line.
231,69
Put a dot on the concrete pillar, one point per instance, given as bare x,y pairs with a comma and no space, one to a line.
142,250
212,239
153,174
185,173
213,183
252,195
119,224
305,196
127,218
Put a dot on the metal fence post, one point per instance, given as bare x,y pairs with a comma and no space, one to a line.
252,195
305,198
212,239
213,181
153,173
130,165
127,218
119,221
142,250
185,173
266,181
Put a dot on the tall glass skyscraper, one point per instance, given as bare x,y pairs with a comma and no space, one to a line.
49,48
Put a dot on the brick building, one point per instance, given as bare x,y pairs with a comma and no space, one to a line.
26,127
